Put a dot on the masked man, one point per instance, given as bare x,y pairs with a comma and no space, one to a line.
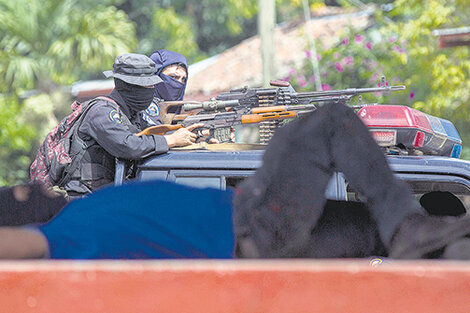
108,129
172,69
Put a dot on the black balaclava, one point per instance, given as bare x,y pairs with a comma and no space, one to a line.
137,98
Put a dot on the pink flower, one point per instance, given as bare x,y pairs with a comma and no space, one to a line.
292,71
345,41
318,57
397,49
325,74
339,67
392,39
325,87
358,38
311,79
308,54
302,82
412,95
348,60
369,45
337,55
382,84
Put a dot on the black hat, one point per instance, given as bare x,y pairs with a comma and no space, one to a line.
136,69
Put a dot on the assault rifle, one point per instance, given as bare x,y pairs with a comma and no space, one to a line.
254,105
219,123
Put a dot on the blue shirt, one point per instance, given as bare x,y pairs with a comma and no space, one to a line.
145,220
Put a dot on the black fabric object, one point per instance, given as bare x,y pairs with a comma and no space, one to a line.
170,89
137,98
442,203
277,209
133,68
37,206
109,131
345,230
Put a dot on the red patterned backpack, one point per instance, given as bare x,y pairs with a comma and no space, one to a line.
53,164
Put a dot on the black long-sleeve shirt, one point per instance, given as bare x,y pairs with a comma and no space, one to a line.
109,131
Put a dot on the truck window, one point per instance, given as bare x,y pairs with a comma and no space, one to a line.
220,179
232,182
199,182
437,197
230,179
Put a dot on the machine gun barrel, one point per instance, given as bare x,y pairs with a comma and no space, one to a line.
347,92
297,97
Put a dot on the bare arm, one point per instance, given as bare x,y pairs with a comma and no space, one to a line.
22,243
183,136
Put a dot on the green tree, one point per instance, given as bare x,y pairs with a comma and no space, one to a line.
51,42
405,51
45,44
440,78
196,28
15,142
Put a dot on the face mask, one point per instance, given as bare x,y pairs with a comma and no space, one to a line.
170,89
138,98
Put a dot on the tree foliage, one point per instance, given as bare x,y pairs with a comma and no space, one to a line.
197,28
45,44
15,142
50,42
406,52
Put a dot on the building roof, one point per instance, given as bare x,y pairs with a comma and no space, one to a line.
241,65
453,37
83,90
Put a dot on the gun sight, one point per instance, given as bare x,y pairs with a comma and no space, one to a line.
212,105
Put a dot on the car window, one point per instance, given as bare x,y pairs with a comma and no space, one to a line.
229,180
439,197
199,182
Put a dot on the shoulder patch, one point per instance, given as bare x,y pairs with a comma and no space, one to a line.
114,116
153,110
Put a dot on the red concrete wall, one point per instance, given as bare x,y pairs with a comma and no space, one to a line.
234,286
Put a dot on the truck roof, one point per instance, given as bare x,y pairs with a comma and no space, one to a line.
251,159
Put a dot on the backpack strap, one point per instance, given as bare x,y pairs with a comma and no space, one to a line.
76,161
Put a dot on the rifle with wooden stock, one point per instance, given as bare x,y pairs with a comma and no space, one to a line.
218,123
254,105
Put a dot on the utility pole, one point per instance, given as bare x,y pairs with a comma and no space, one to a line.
266,24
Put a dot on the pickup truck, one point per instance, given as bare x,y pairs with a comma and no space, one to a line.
210,167
421,149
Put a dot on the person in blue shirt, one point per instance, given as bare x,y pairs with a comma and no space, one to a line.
279,212
147,220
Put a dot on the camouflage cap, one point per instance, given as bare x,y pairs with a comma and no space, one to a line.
136,69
